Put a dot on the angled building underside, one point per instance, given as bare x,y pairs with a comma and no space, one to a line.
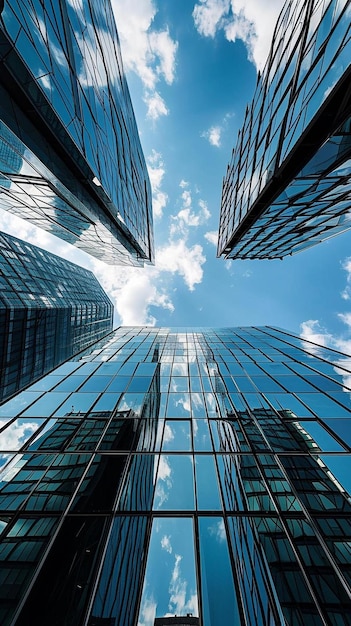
288,185
70,155
180,476
50,309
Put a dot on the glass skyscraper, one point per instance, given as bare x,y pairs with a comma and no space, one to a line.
70,155
287,186
50,309
197,473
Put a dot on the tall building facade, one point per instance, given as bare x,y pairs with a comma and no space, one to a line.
50,309
287,186
180,476
70,155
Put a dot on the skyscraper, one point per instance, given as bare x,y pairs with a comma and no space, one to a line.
50,309
287,186
70,155
202,473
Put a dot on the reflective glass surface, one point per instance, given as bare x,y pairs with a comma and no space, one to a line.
190,472
70,155
287,186
43,298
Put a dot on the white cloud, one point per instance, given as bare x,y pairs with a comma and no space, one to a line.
218,530
177,257
168,434
164,482
346,265
156,173
155,105
251,21
179,604
149,53
166,544
247,274
313,331
213,135
133,291
346,318
15,435
212,237
147,612
165,49
208,16
187,216
164,469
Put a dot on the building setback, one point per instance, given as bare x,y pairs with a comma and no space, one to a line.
287,186
198,473
50,309
70,155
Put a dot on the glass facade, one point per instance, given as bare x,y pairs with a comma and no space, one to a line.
197,473
50,309
287,186
70,155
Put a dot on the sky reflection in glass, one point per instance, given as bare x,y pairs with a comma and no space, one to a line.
170,581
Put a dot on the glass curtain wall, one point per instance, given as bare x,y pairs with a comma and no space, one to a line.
197,473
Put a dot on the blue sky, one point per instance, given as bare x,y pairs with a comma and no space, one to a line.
192,66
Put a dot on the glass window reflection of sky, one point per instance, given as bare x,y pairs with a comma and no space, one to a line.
218,592
175,483
170,581
176,435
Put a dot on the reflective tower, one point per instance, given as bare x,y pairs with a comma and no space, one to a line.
193,472
287,186
70,155
50,309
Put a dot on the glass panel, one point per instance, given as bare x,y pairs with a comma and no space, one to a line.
138,490
46,383
295,598
201,433
321,438
74,557
71,384
55,489
107,402
139,384
220,605
324,406
260,603
18,403
98,490
178,405
117,593
339,468
179,384
175,483
314,483
206,483
198,408
133,401
342,427
77,404
176,436
170,578
119,383
46,405
18,432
